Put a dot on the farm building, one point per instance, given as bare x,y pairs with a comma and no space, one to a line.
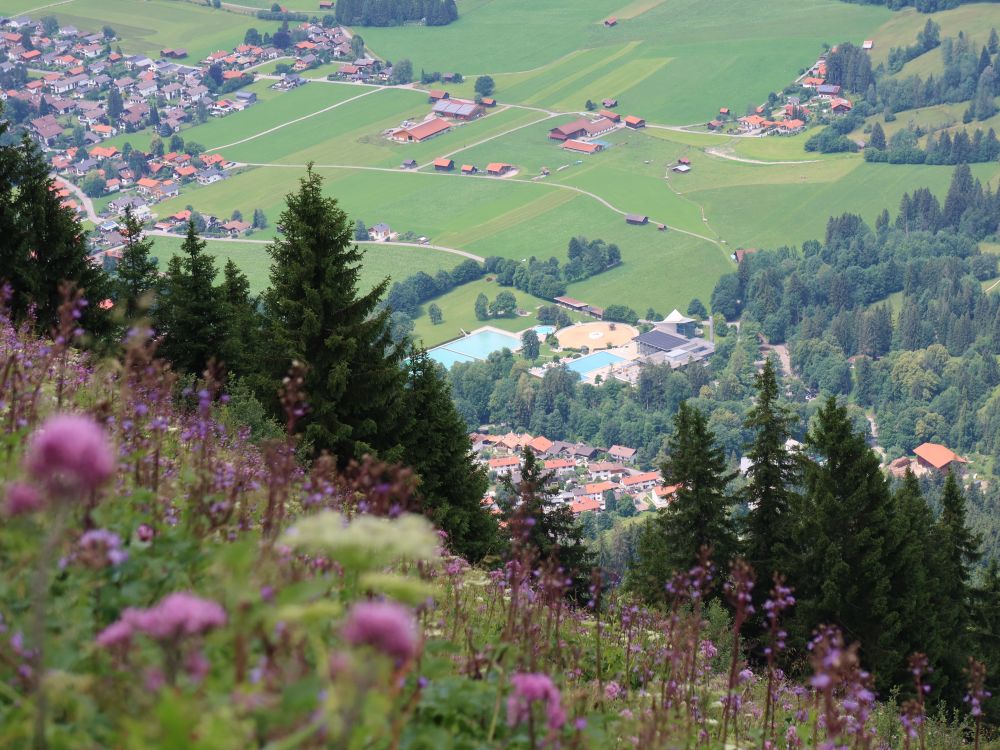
499,169
742,253
684,160
840,106
325,4
571,303
812,81
436,95
458,108
174,53
938,457
409,164
609,115
828,90
573,129
868,44
380,232
724,111
582,147
610,102
637,219
421,132
682,168
715,124
469,169
609,22
444,165
599,126
634,122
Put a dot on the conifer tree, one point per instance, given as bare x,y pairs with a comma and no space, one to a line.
699,515
772,478
243,320
548,527
41,242
877,138
957,552
191,314
436,447
848,543
313,313
136,279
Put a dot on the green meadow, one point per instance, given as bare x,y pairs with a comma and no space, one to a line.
148,26
380,261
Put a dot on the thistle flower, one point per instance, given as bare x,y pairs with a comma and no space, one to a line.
21,499
534,688
385,626
178,614
70,452
99,548
117,634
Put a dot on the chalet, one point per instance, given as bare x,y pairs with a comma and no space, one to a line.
235,228
596,490
612,21
609,115
622,453
409,164
458,109
938,457
724,111
499,169
582,147
663,496
561,466
634,122
637,219
380,232
504,465
210,176
47,129
742,252
641,482
605,469
609,103
540,445
791,126
422,132
752,122
436,95
444,165
585,504
574,129
469,169
840,106
175,54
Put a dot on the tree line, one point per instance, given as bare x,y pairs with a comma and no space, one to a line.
548,278
395,12
904,147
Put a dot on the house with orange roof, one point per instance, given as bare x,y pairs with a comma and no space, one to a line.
585,505
504,464
444,165
938,457
421,132
631,121
840,105
639,482
540,444
103,152
499,168
664,495
596,490
812,81
561,466
187,171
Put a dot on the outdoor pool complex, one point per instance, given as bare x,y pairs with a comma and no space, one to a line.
595,361
475,346
544,331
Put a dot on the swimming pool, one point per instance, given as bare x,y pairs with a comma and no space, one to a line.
544,331
595,361
477,345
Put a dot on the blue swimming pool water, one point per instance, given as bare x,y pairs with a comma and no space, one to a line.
594,361
446,358
476,346
544,330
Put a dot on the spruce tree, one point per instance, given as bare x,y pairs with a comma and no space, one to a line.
243,320
848,544
41,241
136,279
313,313
877,138
957,552
436,446
772,478
548,527
699,515
192,317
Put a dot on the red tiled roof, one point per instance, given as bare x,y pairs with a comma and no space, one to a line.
937,455
503,463
584,505
649,476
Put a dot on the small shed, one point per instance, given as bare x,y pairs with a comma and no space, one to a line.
488,101
610,102
499,169
469,169
612,21
444,165
637,219
682,168
409,164
634,122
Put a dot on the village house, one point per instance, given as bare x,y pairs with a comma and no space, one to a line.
596,490
634,122
585,505
604,470
499,169
380,232
938,457
641,482
560,466
622,453
236,228
444,165
504,465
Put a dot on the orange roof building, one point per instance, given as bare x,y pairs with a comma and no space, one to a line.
540,444
421,132
584,505
933,455
506,462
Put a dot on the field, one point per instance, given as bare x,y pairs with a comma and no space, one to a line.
147,26
674,62
380,260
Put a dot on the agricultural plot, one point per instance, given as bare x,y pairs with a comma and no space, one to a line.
149,26
381,261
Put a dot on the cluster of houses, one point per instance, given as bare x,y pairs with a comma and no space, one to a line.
582,136
586,476
797,110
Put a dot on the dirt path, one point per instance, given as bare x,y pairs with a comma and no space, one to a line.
292,122
712,151
43,7
993,286
88,204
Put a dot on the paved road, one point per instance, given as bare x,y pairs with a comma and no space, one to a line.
88,204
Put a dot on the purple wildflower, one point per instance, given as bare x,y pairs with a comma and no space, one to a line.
22,498
70,452
118,633
534,688
385,626
176,615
